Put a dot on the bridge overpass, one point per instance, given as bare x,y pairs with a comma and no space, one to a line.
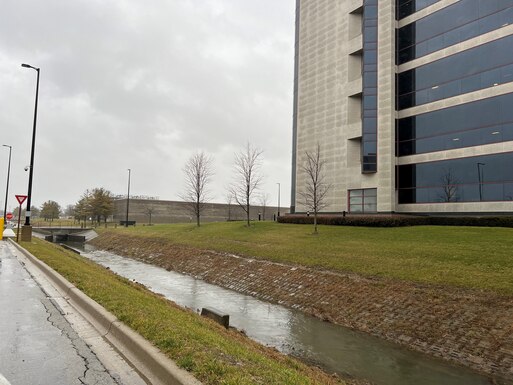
65,234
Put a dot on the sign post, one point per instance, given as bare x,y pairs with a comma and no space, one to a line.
20,199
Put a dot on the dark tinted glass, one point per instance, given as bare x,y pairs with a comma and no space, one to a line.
408,7
456,23
370,91
474,179
477,68
481,122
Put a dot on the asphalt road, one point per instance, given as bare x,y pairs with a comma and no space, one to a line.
39,346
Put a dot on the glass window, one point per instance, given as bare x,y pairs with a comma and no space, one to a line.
369,126
450,25
473,179
370,81
477,68
472,124
408,7
363,201
358,209
356,201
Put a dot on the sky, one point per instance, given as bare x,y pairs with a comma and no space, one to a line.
144,85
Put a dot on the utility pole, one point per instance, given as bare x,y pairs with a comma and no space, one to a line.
279,195
128,198
27,227
7,187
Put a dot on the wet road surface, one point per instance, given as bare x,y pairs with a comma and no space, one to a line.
38,346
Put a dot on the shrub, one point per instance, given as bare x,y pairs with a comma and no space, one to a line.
398,220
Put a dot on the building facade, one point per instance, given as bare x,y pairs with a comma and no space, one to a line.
145,211
411,102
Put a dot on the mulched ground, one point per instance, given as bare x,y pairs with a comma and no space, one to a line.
469,327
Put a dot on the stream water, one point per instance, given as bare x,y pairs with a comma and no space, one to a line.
335,348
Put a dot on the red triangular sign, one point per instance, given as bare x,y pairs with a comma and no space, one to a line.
21,198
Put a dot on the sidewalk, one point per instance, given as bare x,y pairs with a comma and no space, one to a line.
39,345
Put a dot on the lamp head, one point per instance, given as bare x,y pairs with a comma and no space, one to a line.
29,66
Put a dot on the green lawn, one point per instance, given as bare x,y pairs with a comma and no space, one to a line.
475,257
214,355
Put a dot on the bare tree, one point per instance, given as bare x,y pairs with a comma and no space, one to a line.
198,173
149,211
449,186
316,188
264,200
229,201
247,177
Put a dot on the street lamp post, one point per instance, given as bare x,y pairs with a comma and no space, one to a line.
128,198
8,175
480,176
279,195
28,229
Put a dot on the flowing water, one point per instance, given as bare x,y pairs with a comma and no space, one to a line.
335,348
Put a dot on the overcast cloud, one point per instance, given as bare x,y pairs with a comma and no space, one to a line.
144,85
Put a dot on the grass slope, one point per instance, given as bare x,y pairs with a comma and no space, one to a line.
474,257
214,355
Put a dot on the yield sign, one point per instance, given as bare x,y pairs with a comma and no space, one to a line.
21,198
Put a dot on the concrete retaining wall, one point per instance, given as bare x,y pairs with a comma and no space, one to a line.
179,212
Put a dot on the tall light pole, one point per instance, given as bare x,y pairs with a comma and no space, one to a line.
279,195
480,176
128,198
31,170
8,175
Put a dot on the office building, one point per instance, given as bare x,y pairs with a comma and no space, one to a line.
411,102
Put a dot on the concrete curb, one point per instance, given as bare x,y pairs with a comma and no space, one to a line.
146,358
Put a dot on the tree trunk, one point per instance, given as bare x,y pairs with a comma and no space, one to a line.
315,222
247,204
197,211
